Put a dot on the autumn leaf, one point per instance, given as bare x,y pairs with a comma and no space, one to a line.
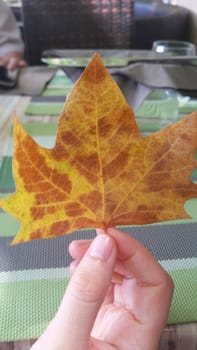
101,172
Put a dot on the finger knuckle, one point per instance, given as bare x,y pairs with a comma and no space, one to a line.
87,288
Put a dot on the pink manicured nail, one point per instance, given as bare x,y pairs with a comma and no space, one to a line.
100,231
101,247
81,242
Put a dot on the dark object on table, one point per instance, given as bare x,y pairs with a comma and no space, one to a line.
8,79
76,24
150,21
157,21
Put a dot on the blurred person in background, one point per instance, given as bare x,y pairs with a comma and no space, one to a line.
11,43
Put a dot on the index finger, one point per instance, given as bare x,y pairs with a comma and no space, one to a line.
136,261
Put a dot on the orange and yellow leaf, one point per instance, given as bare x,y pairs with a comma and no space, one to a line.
101,172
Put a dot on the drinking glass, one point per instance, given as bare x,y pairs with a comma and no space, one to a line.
166,101
174,48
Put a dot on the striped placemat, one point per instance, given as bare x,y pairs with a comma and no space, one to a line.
52,100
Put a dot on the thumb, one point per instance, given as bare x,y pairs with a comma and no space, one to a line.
72,325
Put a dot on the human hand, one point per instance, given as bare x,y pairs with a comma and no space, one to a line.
13,60
101,314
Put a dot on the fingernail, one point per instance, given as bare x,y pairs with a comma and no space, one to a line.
100,231
73,266
101,247
81,242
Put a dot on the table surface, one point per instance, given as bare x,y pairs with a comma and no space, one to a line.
178,337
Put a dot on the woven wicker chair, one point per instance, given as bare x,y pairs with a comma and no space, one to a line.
73,24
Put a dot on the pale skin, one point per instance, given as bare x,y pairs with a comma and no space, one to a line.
118,298
13,60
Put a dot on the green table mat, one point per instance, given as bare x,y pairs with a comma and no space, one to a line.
33,276
44,108
60,85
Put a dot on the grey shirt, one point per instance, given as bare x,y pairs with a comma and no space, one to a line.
10,38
